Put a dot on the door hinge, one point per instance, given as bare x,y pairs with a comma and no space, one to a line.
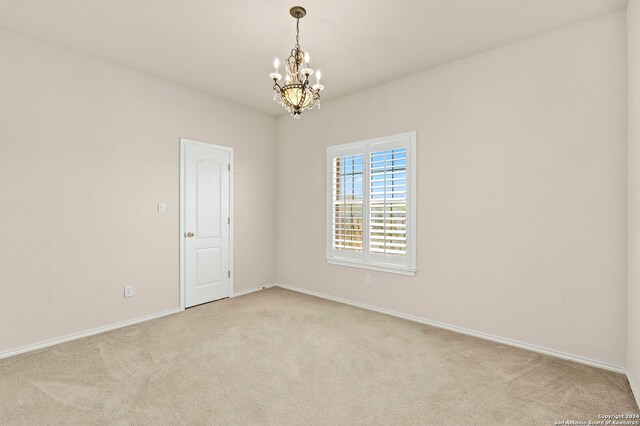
228,221
229,167
229,274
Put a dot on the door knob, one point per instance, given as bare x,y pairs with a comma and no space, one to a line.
189,234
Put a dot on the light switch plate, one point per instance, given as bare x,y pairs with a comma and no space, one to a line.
162,208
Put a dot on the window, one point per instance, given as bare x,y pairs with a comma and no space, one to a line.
371,204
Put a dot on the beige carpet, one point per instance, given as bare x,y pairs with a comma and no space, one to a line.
281,358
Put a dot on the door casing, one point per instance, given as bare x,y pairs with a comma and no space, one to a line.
183,144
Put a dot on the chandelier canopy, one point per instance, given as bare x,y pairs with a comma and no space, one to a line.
297,94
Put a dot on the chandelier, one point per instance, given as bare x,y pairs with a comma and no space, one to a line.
297,94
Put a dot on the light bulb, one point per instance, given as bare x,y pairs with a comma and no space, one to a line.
318,75
306,58
276,63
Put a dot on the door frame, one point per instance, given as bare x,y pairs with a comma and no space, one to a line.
183,147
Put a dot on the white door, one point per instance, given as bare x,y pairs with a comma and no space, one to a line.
206,223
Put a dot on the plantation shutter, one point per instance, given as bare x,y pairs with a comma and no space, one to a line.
371,206
348,203
388,202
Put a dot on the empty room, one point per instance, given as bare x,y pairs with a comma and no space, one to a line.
419,212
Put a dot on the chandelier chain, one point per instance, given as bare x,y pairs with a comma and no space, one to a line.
298,34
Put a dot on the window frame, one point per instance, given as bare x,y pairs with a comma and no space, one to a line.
365,259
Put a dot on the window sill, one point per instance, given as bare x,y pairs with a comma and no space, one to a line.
401,270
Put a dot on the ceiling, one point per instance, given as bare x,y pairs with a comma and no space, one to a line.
226,47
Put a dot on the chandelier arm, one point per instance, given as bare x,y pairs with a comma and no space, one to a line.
302,97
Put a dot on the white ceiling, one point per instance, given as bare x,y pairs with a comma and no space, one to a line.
226,47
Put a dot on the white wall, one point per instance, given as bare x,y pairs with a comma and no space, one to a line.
633,297
521,191
87,150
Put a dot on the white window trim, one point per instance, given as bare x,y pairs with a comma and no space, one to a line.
366,261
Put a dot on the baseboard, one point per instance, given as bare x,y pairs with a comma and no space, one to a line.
634,388
67,338
251,290
52,342
461,330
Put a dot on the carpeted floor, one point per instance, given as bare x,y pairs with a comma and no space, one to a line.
281,358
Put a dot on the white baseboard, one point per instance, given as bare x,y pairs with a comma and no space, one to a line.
74,336
634,388
86,333
251,290
466,331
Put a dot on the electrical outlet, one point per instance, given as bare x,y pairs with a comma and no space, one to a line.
162,208
367,280
128,290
